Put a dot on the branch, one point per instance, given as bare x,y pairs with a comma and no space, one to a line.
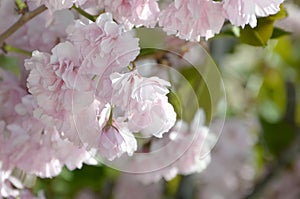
85,14
22,20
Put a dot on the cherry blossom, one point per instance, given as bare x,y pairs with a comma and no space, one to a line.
242,12
145,102
115,138
184,151
221,179
134,12
191,20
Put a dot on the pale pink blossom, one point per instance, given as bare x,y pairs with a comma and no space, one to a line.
9,186
54,5
185,150
144,101
36,149
232,169
191,20
103,44
40,33
11,92
133,12
115,139
243,12
105,48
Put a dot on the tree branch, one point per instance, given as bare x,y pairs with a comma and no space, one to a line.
22,20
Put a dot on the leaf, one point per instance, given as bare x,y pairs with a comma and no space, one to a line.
278,32
147,51
11,64
197,88
175,101
277,136
260,35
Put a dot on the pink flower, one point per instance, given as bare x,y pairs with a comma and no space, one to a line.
191,20
144,101
36,149
11,92
134,12
53,5
104,45
115,138
185,150
54,82
242,12
8,184
232,169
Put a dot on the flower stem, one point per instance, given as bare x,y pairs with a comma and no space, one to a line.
84,13
22,20
7,48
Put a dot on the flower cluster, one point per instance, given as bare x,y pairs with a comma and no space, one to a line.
81,98
189,20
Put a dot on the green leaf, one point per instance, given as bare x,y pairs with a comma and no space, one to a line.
175,101
197,88
277,136
258,36
11,64
147,51
278,32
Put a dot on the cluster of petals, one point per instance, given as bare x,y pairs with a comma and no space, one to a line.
242,12
11,187
41,33
65,81
23,135
185,150
134,12
115,138
145,102
69,85
221,179
54,5
191,20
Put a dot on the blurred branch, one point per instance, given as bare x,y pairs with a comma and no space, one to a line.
288,155
22,20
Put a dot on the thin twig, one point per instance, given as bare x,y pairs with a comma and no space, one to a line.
8,48
84,13
22,20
